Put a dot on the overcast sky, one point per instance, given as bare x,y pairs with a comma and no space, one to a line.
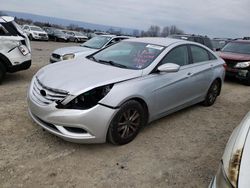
215,18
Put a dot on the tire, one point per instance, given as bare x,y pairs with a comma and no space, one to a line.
55,39
2,72
127,123
76,40
247,81
212,93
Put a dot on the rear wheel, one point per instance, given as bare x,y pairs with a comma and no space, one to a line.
2,72
127,123
212,93
76,40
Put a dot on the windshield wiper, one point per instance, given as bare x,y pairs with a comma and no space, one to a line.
93,58
88,47
112,63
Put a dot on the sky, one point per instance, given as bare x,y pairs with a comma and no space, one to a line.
215,18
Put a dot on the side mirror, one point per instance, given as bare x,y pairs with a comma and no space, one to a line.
169,67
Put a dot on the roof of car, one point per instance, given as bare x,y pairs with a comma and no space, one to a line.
156,40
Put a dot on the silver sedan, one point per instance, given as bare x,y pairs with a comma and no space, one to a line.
111,94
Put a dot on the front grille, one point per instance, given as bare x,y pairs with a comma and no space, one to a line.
45,95
42,35
57,56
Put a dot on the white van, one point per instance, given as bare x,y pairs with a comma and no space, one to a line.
15,51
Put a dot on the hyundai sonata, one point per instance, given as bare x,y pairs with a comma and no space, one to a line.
112,93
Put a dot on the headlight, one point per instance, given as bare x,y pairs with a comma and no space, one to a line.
234,149
35,33
234,167
68,56
88,99
242,65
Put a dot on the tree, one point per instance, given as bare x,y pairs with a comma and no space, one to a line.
154,31
165,31
175,30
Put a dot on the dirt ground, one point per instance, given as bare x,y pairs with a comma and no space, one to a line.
180,150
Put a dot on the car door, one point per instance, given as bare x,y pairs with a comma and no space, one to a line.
174,90
201,70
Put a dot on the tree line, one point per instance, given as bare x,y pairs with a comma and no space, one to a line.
153,31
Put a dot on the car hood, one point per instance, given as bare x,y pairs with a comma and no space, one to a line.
78,76
234,56
73,49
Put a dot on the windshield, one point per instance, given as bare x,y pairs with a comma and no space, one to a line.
96,42
131,55
237,47
35,28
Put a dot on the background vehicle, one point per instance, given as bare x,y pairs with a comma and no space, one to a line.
195,38
56,34
91,46
14,47
237,57
234,168
74,36
219,43
35,32
125,85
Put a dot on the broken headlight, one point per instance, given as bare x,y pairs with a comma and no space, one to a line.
88,99
68,56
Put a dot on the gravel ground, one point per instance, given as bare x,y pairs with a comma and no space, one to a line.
180,150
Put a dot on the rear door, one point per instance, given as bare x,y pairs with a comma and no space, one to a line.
202,65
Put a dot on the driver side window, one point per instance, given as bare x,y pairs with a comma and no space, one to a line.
178,55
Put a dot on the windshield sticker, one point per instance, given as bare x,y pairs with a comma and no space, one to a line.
154,47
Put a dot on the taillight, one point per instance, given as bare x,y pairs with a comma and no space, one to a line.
225,66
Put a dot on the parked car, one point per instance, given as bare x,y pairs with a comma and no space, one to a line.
195,38
35,32
237,56
234,168
219,43
14,47
111,94
74,36
56,34
91,46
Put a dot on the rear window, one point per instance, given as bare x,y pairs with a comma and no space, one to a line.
199,54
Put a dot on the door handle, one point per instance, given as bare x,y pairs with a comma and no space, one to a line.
189,74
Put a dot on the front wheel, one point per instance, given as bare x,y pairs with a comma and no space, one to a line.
247,81
127,123
212,93
2,72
